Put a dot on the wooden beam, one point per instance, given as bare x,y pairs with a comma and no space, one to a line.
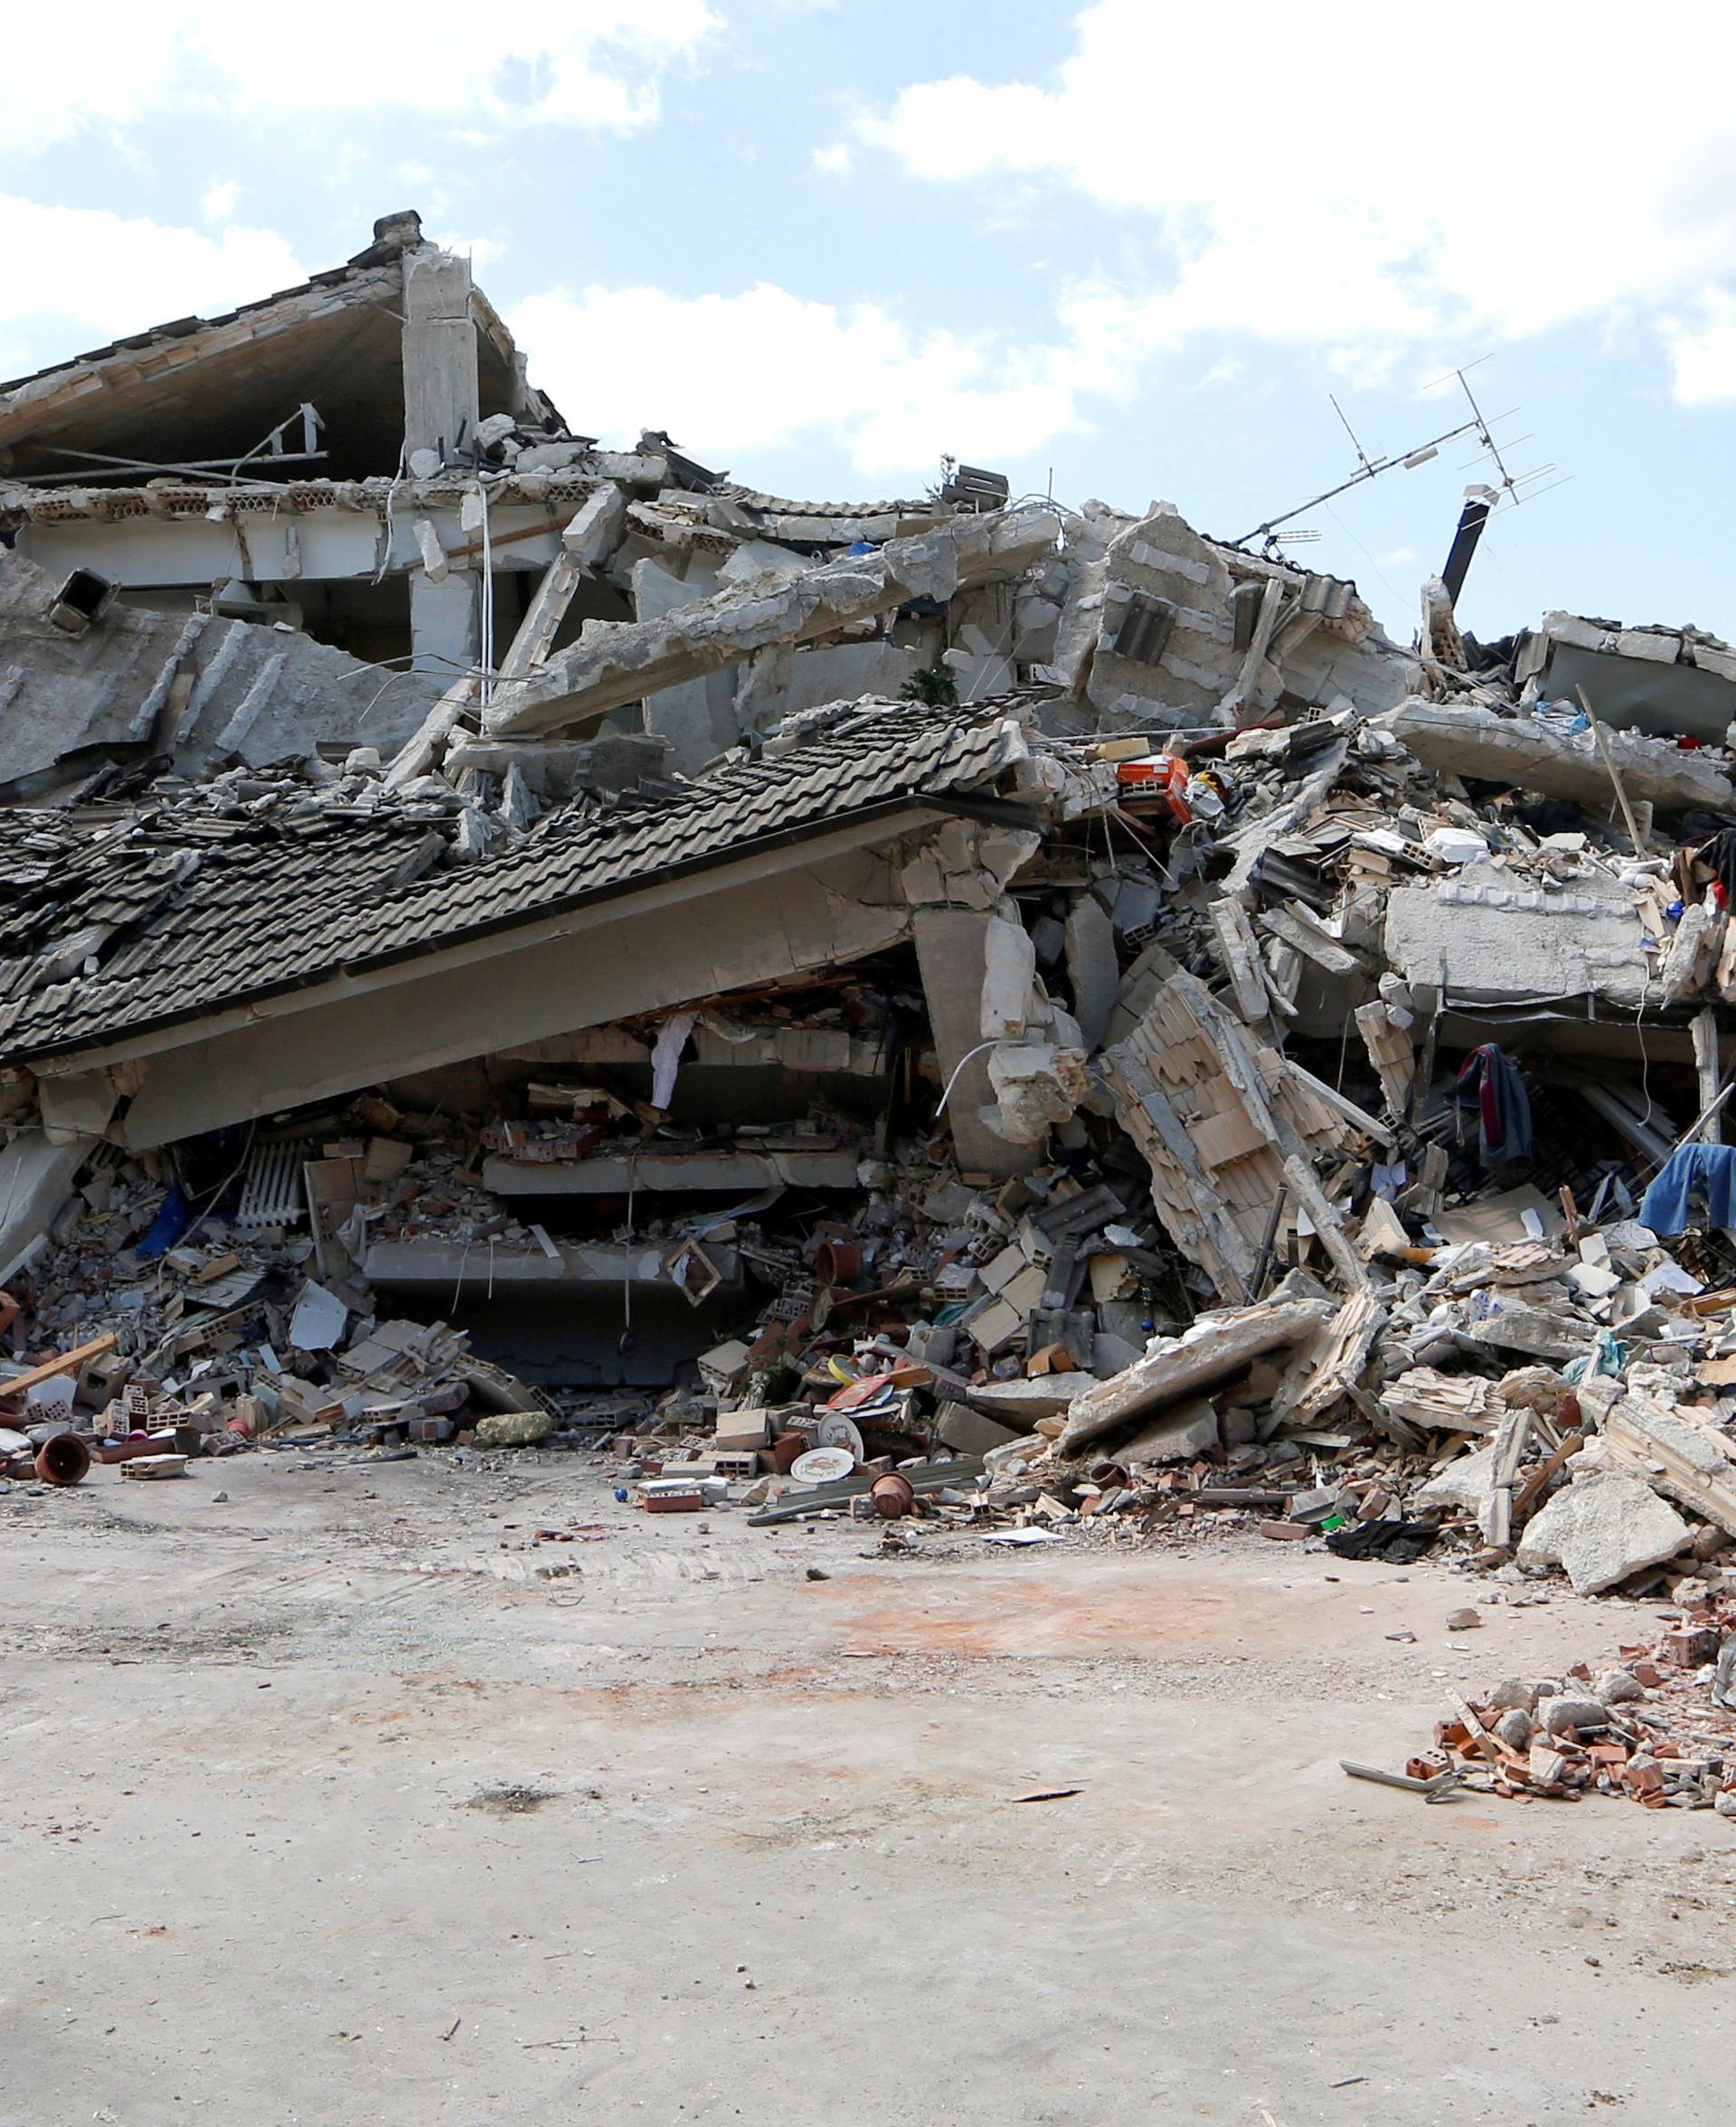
65,1364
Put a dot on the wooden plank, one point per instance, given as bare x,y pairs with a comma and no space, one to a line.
1703,1028
1510,1440
66,1364
1532,1491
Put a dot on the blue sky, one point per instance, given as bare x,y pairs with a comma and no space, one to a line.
1128,244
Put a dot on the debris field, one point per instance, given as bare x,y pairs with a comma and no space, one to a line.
956,1013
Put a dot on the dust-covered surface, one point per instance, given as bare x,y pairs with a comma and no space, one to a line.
301,1782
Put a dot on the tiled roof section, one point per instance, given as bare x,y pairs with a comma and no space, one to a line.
184,919
181,328
278,903
782,506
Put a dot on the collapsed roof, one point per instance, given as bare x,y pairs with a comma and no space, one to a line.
216,393
361,726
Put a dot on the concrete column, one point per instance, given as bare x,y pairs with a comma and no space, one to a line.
441,413
952,953
445,624
439,354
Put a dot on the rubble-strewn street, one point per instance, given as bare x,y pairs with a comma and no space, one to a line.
629,1103
683,1832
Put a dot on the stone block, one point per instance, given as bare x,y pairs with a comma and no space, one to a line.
1600,1529
1182,1433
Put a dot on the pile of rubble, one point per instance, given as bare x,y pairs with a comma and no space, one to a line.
1657,1728
1055,1016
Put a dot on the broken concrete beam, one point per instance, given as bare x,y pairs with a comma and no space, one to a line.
1213,1350
595,529
1295,928
968,1432
1484,938
1519,750
1600,1529
1239,950
1092,968
733,1173
615,662
1677,1453
1022,1403
1181,1434
439,356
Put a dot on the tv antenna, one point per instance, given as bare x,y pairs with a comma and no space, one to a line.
1506,487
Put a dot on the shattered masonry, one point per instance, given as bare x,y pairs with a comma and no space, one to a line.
508,940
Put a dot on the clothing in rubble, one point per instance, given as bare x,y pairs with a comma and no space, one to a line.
1398,1543
1719,857
1493,1082
1705,1171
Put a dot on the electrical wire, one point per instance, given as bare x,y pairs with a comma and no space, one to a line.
487,686
999,1041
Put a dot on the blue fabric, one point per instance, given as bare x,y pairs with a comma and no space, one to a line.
1608,1356
1691,1171
1491,1082
167,1227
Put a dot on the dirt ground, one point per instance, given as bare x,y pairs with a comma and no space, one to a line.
345,1800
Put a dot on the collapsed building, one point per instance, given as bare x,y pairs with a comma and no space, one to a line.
502,936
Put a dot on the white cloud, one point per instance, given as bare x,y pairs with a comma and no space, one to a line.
765,369
589,64
1351,186
835,159
1703,350
218,202
482,251
85,273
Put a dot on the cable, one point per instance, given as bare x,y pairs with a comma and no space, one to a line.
999,1041
487,598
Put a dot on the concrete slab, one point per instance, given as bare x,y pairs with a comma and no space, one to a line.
702,1173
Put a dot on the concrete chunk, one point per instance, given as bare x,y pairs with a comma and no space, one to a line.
1212,1350
1467,1483
1022,1402
615,662
1519,750
1600,1529
969,1432
1092,968
1190,1429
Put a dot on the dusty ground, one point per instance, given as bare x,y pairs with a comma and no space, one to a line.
321,1807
